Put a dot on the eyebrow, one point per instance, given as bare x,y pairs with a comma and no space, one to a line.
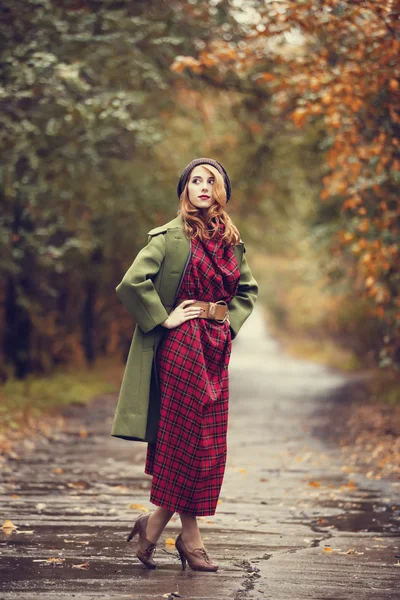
200,177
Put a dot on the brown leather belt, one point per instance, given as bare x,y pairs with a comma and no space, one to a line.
213,310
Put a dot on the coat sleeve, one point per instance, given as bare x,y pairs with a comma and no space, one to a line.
136,290
241,305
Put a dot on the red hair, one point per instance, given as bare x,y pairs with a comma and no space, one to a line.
195,225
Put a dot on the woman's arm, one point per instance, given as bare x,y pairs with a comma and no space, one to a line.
241,305
136,290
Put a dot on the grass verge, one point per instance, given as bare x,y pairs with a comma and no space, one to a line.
27,406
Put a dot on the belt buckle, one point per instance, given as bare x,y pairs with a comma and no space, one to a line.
227,312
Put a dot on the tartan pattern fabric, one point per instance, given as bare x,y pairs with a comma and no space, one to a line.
188,460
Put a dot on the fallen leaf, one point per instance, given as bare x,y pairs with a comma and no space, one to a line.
58,470
54,561
138,507
351,484
119,488
82,566
8,527
170,541
78,484
314,483
328,549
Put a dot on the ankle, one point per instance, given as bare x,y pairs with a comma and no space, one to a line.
153,529
192,541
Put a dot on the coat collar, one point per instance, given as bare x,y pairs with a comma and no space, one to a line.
175,223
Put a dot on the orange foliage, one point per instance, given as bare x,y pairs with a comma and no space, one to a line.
346,71
351,81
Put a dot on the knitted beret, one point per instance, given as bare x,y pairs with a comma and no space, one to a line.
200,161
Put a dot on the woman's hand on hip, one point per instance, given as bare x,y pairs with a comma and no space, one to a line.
182,313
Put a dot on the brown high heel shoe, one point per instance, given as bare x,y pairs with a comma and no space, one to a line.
145,548
198,558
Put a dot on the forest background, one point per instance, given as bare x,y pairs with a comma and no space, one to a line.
104,103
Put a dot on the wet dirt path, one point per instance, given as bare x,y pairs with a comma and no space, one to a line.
294,521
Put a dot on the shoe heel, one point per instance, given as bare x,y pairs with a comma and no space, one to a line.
134,531
183,560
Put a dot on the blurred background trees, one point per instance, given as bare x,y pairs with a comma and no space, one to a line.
104,104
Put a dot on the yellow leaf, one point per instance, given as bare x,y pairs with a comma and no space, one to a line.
138,507
8,526
170,542
55,561
328,549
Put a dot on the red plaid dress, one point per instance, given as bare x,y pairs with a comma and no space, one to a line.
188,460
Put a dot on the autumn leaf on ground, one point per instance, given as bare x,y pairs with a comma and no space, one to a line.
170,541
82,566
119,488
350,551
350,484
138,507
8,527
78,485
328,549
314,483
52,561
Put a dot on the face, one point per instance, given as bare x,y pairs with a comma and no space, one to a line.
201,183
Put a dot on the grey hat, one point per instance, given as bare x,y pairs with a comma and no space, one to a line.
199,161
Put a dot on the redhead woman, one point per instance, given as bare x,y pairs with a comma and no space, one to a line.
190,289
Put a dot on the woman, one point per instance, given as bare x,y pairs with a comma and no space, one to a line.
182,347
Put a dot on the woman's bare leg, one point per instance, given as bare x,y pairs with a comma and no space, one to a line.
157,522
190,531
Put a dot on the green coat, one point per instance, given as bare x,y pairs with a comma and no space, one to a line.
148,290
